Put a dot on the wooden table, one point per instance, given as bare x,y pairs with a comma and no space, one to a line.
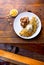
7,34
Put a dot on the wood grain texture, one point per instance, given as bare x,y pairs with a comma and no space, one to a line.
7,34
18,59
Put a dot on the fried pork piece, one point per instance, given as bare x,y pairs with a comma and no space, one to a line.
24,21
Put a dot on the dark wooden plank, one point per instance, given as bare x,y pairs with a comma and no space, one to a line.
6,29
7,34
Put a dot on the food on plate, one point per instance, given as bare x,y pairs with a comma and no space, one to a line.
33,21
30,29
13,12
24,21
27,31
24,32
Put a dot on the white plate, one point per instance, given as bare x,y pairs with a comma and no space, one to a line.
17,27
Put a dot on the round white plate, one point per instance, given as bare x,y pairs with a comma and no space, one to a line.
17,27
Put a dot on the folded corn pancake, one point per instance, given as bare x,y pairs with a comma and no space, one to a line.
25,33
34,23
